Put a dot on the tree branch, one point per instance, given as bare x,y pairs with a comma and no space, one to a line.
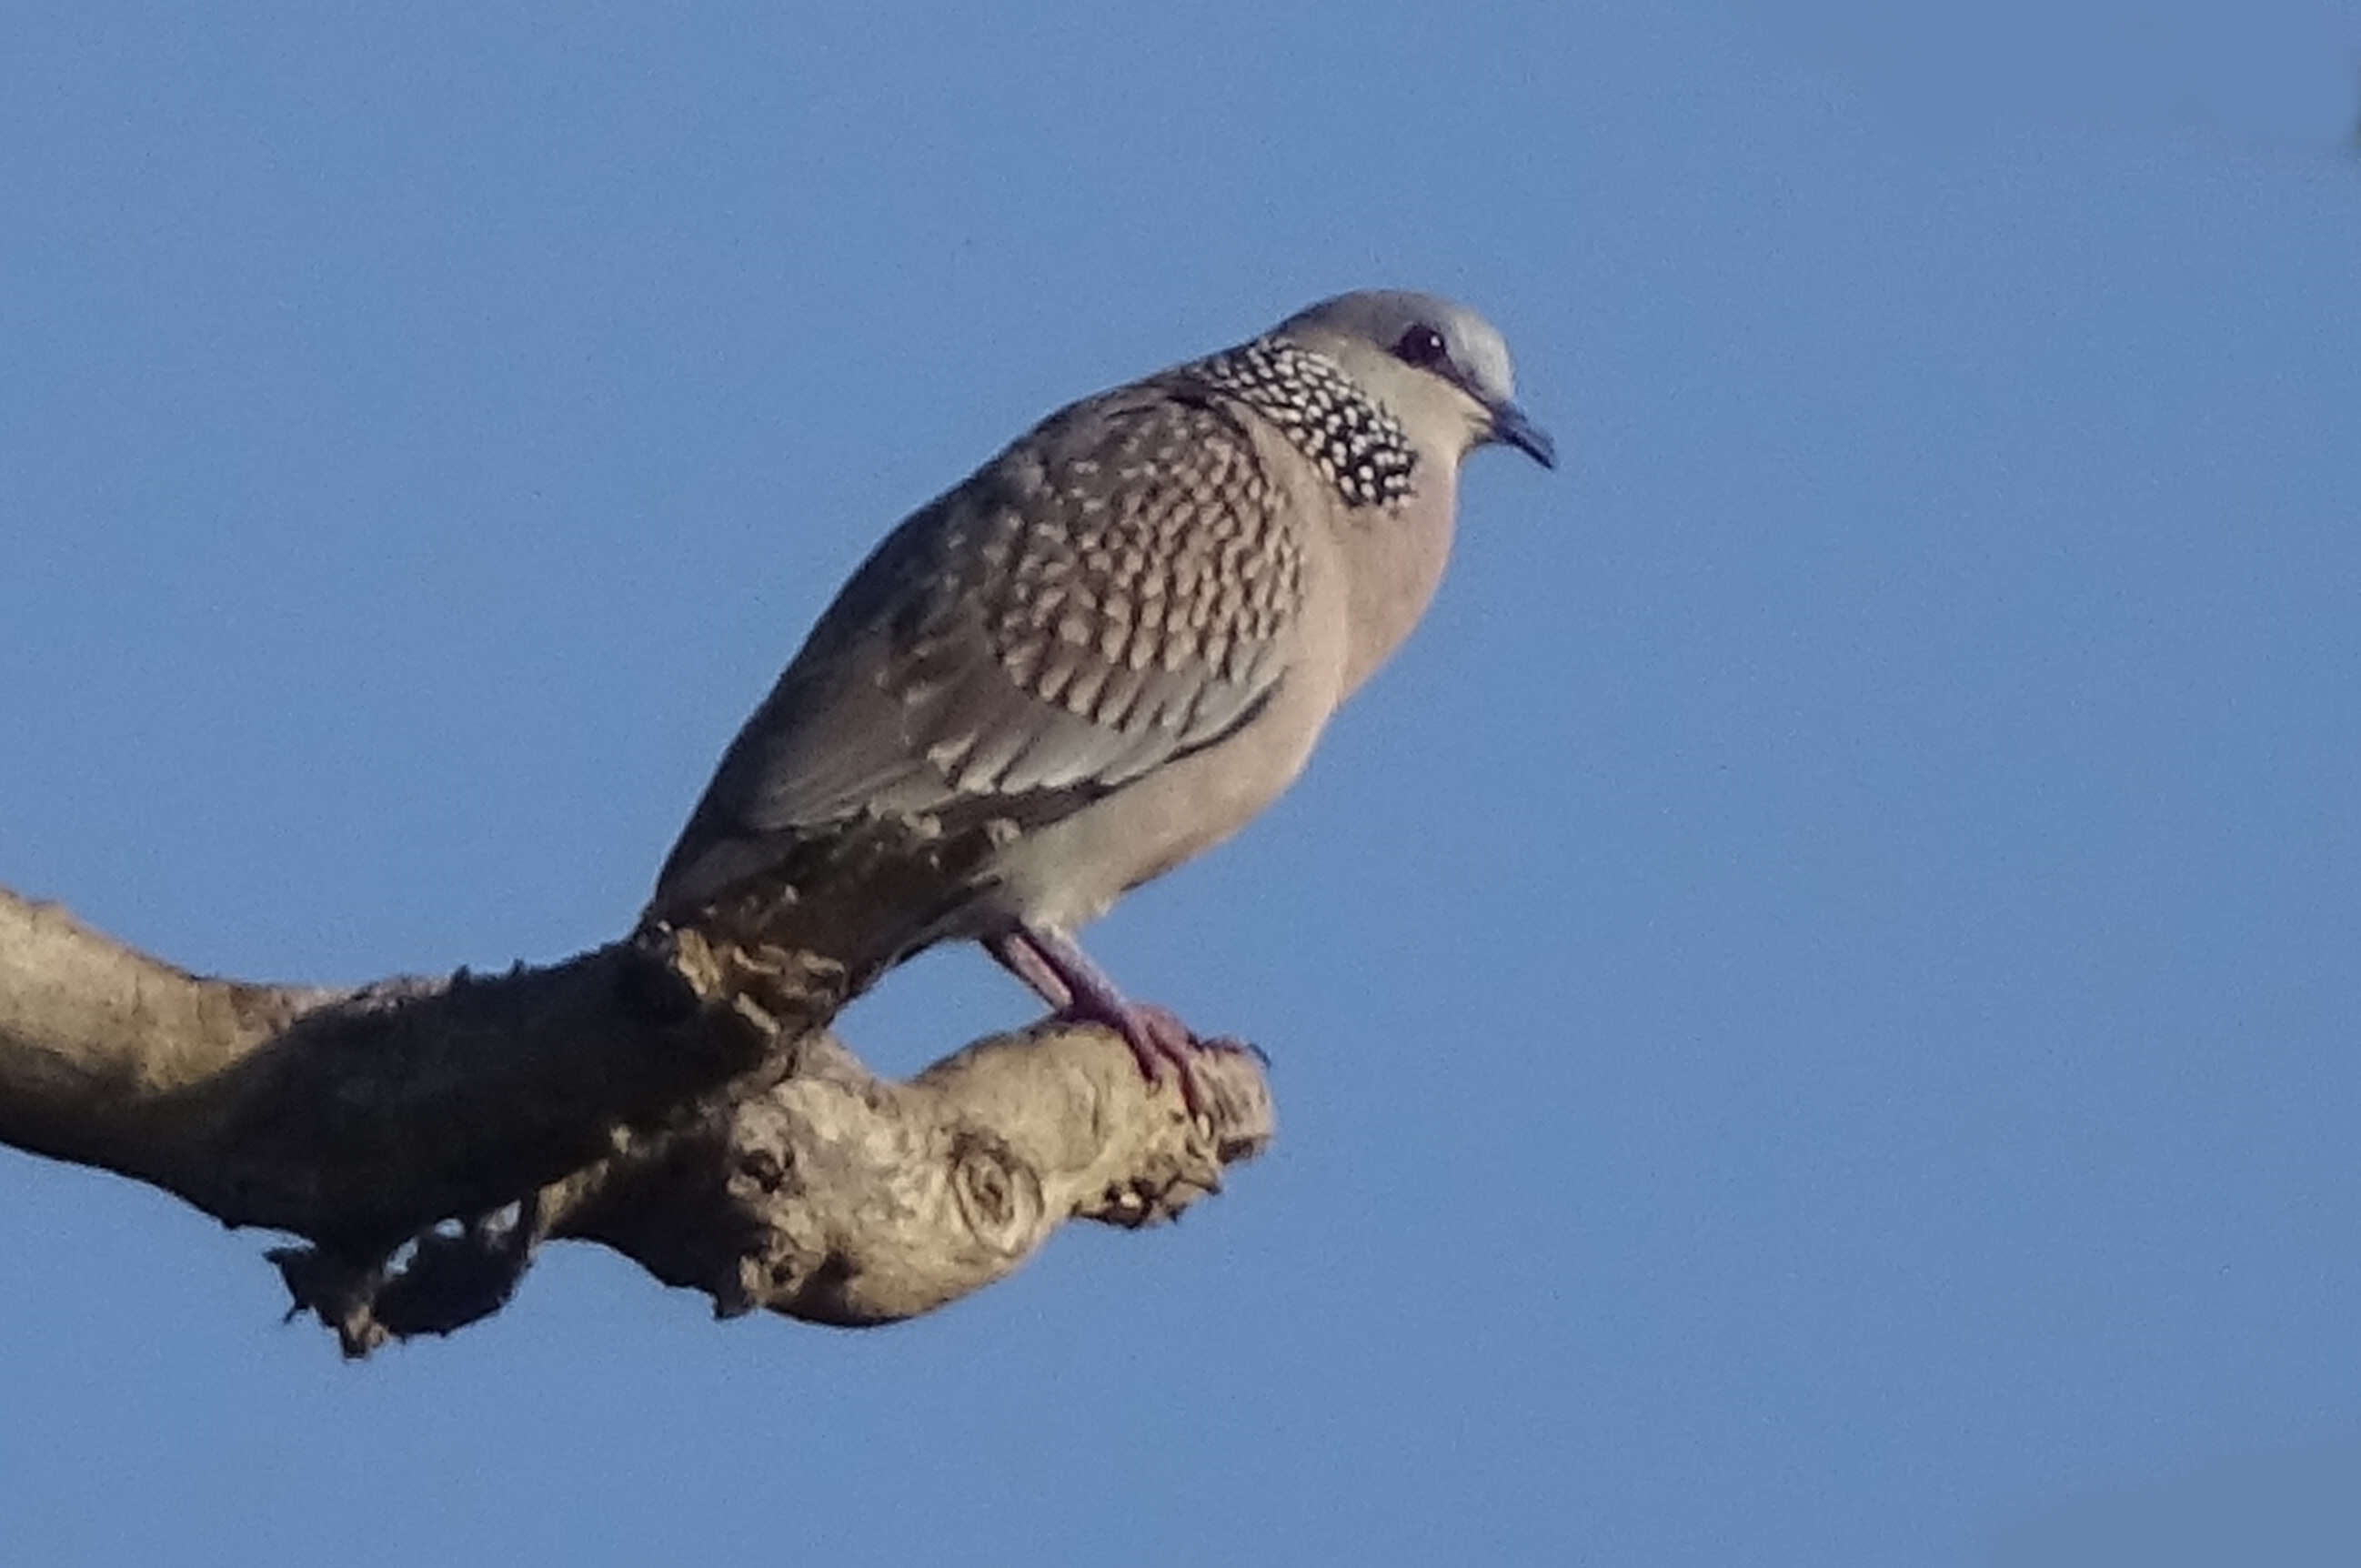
674,1097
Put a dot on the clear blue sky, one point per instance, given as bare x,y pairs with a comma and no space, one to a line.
1815,1007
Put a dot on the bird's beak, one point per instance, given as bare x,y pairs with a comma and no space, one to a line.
1511,424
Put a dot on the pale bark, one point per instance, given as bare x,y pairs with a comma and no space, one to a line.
675,1096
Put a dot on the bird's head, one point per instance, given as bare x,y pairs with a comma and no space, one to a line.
1442,368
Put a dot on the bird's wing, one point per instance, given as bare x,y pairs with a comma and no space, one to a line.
1110,592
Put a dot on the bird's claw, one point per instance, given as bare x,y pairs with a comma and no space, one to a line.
1158,1039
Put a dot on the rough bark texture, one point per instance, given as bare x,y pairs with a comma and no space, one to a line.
675,1096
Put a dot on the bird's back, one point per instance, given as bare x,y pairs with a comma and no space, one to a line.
1112,592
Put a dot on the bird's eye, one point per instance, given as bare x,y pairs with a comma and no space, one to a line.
1422,345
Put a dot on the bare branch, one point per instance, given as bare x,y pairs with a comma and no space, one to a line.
673,1097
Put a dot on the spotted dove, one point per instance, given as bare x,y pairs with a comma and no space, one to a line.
1123,633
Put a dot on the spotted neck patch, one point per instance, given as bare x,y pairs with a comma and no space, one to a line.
1348,435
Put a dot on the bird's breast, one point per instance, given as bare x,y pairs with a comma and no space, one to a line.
1392,559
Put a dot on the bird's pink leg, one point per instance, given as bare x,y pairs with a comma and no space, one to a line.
1062,975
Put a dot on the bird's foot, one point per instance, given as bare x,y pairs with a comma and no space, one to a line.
1158,1040
1080,992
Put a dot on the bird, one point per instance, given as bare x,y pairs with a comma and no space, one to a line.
1122,635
